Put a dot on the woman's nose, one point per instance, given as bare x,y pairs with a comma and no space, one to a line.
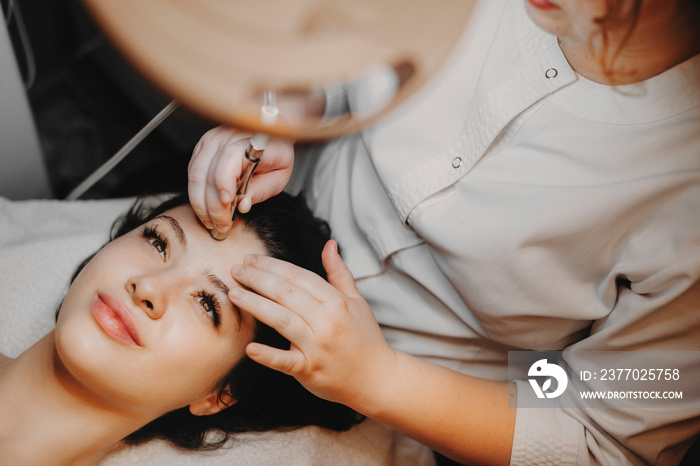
147,296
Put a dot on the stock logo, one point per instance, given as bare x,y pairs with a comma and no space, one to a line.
552,371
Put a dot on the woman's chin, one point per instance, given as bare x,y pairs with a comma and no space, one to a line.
84,362
554,22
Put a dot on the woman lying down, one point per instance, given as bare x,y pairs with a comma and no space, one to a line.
147,344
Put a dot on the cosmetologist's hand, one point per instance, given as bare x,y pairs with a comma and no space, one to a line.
215,167
338,351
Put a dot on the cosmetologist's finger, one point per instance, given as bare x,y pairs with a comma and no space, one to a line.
288,362
286,322
228,169
196,181
278,289
338,273
318,288
219,213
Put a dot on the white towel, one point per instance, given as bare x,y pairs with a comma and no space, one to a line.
41,244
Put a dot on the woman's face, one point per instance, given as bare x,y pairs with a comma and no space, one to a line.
147,325
571,20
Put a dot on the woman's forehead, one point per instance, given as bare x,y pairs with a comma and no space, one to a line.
240,241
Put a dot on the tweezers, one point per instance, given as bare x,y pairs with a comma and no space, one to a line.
248,165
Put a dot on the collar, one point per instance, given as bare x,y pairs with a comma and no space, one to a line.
675,91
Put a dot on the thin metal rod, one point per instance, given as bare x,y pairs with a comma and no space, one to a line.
106,167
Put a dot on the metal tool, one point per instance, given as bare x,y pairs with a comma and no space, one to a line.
253,156
249,164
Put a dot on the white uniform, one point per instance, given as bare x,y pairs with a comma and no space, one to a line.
514,205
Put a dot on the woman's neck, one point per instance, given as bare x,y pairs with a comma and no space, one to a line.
45,420
662,38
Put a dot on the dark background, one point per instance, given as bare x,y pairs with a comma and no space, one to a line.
88,101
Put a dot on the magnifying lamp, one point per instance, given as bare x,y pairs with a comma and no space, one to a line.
219,57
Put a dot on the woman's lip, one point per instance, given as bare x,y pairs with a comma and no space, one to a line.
543,4
115,319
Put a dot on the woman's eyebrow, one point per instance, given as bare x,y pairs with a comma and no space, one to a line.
218,284
223,288
179,232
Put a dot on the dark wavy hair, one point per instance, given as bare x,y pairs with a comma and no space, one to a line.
621,14
266,399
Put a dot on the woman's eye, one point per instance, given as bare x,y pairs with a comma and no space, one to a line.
209,306
156,239
158,245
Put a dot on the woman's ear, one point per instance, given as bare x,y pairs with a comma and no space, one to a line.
213,403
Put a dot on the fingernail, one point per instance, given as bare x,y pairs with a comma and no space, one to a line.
238,269
249,259
224,196
216,235
235,293
245,204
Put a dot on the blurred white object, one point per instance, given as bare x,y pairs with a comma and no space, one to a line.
217,57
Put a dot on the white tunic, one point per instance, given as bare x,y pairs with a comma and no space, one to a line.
514,205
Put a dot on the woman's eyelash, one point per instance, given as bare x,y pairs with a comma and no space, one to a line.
158,240
210,303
